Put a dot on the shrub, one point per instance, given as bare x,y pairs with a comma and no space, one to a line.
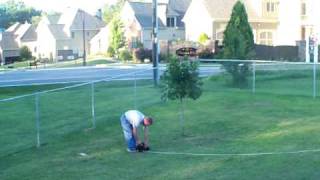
138,55
206,54
110,52
141,54
125,55
25,53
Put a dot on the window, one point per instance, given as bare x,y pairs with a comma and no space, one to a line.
72,35
271,7
135,42
266,38
88,33
303,9
171,22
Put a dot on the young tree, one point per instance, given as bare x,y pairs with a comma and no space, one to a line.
203,38
25,53
238,44
117,39
180,81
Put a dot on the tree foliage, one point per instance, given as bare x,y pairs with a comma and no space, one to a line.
16,11
25,53
117,39
180,81
203,38
111,11
238,44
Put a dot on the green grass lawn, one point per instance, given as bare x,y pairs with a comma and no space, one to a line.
223,120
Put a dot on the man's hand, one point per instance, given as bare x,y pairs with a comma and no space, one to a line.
146,147
140,147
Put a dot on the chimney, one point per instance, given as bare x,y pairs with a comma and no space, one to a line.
99,14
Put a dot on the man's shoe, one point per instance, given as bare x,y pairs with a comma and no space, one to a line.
131,151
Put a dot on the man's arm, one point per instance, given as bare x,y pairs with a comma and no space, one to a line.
135,135
146,136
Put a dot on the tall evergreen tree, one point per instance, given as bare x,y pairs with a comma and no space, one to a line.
238,44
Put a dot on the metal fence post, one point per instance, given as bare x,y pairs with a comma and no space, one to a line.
254,77
135,91
93,106
37,119
314,80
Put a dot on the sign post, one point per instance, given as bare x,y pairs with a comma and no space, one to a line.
316,50
155,55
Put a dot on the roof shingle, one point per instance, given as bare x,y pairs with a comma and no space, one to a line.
222,9
57,31
8,42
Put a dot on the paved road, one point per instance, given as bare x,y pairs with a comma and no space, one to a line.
86,74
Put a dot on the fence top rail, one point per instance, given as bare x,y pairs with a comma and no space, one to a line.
74,86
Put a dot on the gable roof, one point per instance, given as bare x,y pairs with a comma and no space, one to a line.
178,7
8,42
53,19
73,18
143,13
103,33
57,31
22,29
13,27
30,34
21,32
222,9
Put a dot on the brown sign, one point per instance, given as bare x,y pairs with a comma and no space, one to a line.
187,51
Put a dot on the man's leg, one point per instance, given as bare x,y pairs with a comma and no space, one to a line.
127,132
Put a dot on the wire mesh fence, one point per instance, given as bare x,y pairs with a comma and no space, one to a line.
271,77
32,120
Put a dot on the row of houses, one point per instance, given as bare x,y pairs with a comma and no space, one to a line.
56,37
61,36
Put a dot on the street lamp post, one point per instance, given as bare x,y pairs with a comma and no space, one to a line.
84,38
155,55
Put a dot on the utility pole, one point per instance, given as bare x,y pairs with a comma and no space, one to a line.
155,55
84,37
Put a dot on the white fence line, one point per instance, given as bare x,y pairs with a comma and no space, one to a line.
238,154
74,86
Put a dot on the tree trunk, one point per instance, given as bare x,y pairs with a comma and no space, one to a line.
182,115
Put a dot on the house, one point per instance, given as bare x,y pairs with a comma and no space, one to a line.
274,22
66,36
99,44
137,20
14,38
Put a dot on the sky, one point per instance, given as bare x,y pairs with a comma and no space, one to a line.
59,5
